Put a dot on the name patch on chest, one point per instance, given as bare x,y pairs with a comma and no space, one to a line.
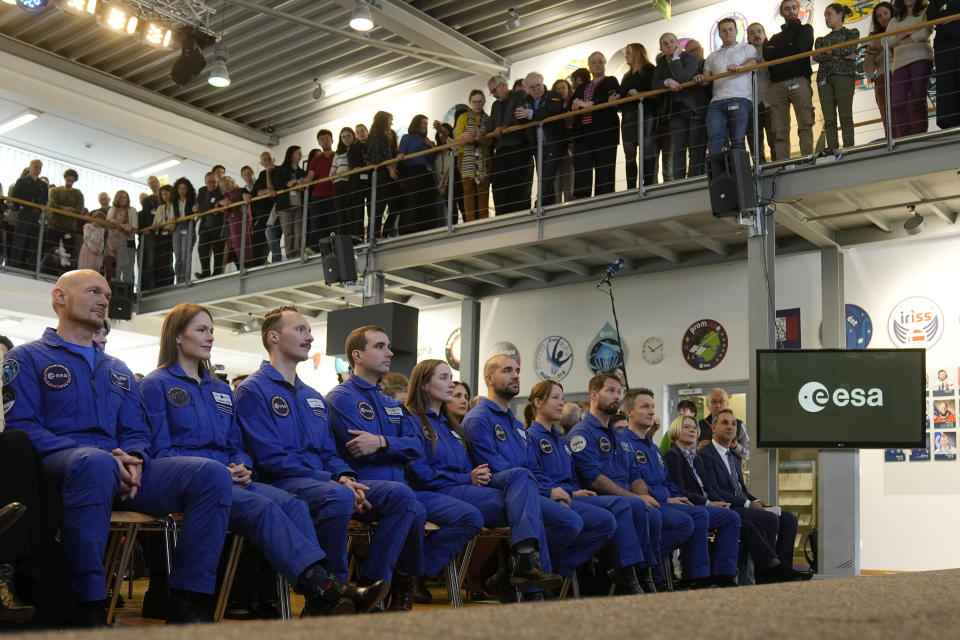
120,380
178,396
280,406
394,414
546,446
366,411
57,376
500,433
316,405
223,401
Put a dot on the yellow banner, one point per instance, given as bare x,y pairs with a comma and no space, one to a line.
663,6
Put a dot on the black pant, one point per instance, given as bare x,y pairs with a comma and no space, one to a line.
387,198
631,150
419,201
512,177
210,241
322,220
161,265
348,204
688,132
50,259
594,163
553,155
25,239
258,237
779,532
946,59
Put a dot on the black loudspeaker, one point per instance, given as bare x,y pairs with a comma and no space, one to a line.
339,264
399,321
732,190
121,302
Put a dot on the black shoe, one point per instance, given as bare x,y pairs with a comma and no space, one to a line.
532,596
421,594
401,594
497,586
528,573
90,614
155,599
645,580
188,607
722,582
327,593
200,276
10,514
626,583
11,609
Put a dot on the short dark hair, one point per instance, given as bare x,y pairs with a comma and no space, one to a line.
618,417
246,167
71,172
239,378
727,19
214,168
597,381
687,404
273,321
717,415
5,341
357,340
631,395
324,132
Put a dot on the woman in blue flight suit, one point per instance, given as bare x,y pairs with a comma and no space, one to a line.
193,411
509,498
557,480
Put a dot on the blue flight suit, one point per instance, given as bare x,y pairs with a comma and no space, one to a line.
498,439
76,415
286,430
510,499
555,469
200,419
459,522
695,556
596,451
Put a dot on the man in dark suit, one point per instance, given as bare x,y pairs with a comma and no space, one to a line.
723,481
718,399
512,152
687,471
541,103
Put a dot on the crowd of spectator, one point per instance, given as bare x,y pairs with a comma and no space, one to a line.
707,108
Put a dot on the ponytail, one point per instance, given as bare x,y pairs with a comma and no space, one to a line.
529,413
842,9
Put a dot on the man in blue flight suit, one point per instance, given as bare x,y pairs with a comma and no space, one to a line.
374,437
639,406
286,431
193,412
499,440
602,465
82,410
557,480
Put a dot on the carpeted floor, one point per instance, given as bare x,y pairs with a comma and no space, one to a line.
915,605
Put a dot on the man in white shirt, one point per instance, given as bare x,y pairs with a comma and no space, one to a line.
731,105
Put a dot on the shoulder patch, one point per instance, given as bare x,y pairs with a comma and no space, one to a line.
660,459
9,397
10,370
578,444
604,443
366,411
178,396
546,446
120,380
57,376
280,406
640,457
500,433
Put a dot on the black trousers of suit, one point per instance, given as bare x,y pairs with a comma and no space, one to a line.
594,164
780,532
512,178
688,133
211,243
947,74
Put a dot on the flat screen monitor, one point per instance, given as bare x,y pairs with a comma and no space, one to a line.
835,398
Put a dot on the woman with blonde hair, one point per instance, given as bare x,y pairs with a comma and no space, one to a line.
94,236
118,251
187,402
638,79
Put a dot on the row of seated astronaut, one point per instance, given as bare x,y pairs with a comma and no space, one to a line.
287,468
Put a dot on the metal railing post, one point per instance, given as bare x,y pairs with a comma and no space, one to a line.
191,235
451,205
245,210
139,274
39,259
886,95
540,169
756,122
303,225
372,216
641,165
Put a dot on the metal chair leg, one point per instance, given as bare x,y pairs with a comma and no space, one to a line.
125,554
667,564
452,577
283,593
228,576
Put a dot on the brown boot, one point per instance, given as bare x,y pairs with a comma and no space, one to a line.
11,609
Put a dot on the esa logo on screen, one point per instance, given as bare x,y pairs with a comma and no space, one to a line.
815,397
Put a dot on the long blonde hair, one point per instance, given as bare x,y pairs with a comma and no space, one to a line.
174,324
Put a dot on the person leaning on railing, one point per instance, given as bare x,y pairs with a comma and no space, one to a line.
837,76
474,160
790,82
290,203
946,52
184,233
382,146
563,183
638,79
912,65
165,214
757,36
596,133
32,188
419,198
60,228
538,105
685,108
874,61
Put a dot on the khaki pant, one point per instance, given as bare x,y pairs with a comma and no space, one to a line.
475,210
779,97
836,97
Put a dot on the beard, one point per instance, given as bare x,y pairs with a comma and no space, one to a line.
505,391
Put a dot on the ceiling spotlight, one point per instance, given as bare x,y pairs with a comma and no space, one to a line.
318,90
361,20
250,325
915,224
219,77
117,19
513,20
157,35
81,7
32,5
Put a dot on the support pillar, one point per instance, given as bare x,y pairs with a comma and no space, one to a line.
470,343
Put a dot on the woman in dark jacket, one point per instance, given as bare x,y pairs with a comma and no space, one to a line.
638,80
419,200
347,190
290,204
595,133
382,146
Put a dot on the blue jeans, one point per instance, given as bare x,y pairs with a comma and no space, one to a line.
727,124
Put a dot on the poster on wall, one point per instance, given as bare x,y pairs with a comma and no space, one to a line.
915,322
451,351
894,455
944,445
553,358
704,344
859,327
604,352
942,381
788,328
505,348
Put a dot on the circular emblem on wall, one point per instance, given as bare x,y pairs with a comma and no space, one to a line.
553,358
506,349
500,433
915,322
280,406
178,396
57,376
859,327
604,353
452,350
704,344
739,18
366,411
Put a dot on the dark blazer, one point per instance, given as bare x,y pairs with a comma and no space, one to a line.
720,486
606,122
682,70
682,475
551,104
502,115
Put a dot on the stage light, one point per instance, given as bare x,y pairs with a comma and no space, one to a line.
18,120
914,224
219,76
156,167
81,7
32,5
119,20
513,20
361,19
157,35
10,2
191,61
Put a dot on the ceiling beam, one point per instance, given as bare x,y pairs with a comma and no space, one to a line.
794,218
418,279
706,242
853,200
649,246
942,210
